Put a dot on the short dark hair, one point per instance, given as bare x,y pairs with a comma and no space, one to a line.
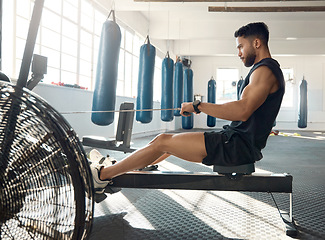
257,29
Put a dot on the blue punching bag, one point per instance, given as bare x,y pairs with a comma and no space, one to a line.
187,122
167,93
145,82
106,77
302,114
178,87
211,121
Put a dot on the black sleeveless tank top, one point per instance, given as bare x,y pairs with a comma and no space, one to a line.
257,128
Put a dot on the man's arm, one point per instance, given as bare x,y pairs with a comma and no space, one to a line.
262,83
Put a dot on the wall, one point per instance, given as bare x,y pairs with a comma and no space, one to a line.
305,55
67,100
310,67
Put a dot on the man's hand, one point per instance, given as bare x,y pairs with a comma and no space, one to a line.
187,109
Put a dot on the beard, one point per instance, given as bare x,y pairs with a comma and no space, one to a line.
250,59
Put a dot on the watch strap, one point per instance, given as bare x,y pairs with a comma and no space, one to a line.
196,106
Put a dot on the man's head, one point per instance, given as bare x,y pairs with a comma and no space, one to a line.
250,39
254,30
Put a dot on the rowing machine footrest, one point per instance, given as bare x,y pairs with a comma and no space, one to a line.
244,169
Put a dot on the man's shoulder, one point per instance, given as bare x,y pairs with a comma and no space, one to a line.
267,66
267,62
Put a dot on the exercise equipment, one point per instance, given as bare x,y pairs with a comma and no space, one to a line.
145,82
126,110
46,191
178,86
39,68
122,141
303,110
211,121
236,178
4,77
187,122
225,178
167,93
107,69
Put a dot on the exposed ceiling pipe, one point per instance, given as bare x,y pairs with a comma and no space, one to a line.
225,1
267,9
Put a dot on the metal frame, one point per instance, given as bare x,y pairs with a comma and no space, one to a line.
236,178
255,182
1,11
170,1
268,9
30,43
122,142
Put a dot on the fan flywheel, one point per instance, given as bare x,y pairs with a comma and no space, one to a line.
46,190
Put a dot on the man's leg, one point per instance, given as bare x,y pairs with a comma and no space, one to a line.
188,146
160,159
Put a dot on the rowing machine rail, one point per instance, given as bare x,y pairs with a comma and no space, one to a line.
255,182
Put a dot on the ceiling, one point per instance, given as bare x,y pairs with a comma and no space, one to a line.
188,28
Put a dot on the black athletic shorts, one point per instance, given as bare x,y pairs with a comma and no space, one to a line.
223,150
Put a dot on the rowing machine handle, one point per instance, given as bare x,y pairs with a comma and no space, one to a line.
187,113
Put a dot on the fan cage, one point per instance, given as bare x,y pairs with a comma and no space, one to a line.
46,190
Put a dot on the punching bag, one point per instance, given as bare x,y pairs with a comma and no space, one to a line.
178,87
211,121
106,75
145,82
187,122
167,93
302,114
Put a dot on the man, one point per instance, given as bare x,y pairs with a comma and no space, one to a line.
252,118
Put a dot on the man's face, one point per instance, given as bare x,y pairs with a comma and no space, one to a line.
246,51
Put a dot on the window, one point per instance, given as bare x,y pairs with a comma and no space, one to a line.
135,75
157,80
287,100
226,84
128,74
69,36
63,38
70,10
129,66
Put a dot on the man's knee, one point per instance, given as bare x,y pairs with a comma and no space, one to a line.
161,141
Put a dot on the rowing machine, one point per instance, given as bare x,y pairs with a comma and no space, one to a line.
237,178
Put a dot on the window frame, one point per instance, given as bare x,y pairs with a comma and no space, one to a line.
84,55
220,97
290,85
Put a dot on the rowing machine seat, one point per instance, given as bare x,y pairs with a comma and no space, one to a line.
245,169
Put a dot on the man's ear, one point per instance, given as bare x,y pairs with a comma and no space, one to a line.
257,43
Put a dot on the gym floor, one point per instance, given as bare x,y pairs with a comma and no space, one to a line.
191,214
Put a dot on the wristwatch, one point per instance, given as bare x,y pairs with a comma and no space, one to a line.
196,104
